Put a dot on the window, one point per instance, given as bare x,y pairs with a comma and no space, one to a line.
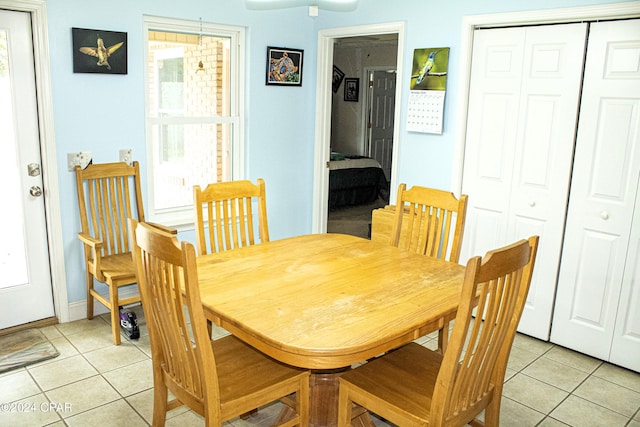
193,111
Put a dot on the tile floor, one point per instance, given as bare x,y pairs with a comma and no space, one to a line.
95,383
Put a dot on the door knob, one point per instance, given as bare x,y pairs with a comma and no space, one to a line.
604,215
532,203
35,191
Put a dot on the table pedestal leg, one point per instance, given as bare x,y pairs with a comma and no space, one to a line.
323,410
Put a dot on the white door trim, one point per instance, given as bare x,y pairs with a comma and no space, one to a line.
323,111
545,16
37,9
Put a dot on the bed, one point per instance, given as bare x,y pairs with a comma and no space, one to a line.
355,180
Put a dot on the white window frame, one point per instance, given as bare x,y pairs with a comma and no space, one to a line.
183,218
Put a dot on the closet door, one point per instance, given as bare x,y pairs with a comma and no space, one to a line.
525,86
625,348
595,268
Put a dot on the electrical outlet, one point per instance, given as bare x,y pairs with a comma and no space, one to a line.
127,156
81,158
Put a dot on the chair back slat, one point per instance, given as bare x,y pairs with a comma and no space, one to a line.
435,222
108,194
495,289
225,216
168,281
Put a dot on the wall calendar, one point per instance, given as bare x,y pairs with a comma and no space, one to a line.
428,88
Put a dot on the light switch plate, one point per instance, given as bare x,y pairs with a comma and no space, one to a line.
81,158
126,156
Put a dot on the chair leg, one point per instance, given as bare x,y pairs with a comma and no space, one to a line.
115,314
492,412
443,338
344,408
89,279
160,404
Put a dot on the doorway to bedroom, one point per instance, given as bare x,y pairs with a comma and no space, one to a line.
362,129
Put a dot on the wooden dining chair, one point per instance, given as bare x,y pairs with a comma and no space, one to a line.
435,222
414,386
224,215
219,379
109,194
430,222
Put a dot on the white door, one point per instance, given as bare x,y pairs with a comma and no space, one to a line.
525,88
25,279
382,100
595,268
625,348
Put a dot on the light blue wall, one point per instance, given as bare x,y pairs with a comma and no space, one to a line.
427,159
105,113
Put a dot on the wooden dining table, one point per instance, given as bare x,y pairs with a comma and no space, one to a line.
326,302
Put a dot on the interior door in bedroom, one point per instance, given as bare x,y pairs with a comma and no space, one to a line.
598,298
381,110
524,92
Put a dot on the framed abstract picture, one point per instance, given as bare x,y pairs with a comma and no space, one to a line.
99,51
284,66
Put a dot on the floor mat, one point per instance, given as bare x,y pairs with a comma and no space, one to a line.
24,348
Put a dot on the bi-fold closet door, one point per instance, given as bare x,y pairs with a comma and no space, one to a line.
523,108
597,307
528,111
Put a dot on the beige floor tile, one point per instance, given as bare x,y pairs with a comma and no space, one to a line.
62,372
90,340
64,347
574,359
83,325
620,376
556,374
131,379
509,373
579,412
633,423
84,395
612,396
51,332
115,356
422,340
515,414
16,386
143,344
520,358
531,344
533,393
32,411
143,404
551,422
185,419
105,415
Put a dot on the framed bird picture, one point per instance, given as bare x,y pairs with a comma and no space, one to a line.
99,51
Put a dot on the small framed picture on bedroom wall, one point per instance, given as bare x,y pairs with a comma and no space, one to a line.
351,89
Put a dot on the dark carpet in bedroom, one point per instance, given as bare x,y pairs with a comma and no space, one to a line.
354,220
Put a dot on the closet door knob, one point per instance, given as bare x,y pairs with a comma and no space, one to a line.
604,215
532,203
